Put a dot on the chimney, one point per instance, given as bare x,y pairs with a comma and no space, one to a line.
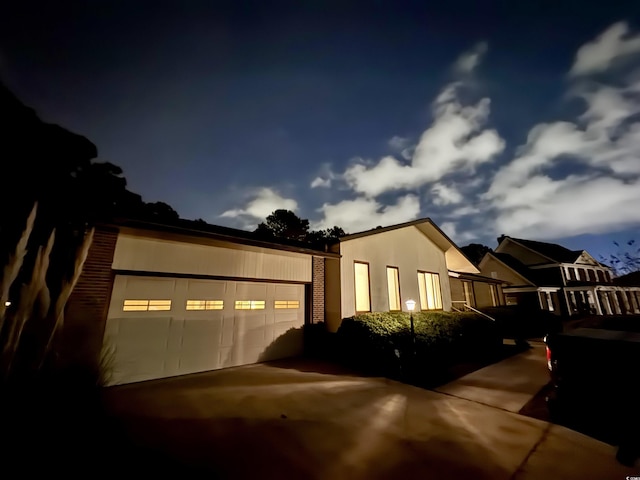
501,238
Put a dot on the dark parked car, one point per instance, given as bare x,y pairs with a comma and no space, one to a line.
596,379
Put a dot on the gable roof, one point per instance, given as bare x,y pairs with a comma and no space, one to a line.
537,276
456,260
552,251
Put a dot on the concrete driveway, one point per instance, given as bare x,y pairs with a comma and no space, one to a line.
307,420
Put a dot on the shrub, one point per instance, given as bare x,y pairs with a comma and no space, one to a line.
380,343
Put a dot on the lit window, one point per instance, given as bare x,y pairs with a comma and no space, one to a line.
287,304
205,304
250,304
430,295
393,284
363,303
146,305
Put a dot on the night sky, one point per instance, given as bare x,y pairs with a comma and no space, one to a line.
514,117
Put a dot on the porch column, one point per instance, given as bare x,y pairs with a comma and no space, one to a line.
594,299
541,300
573,305
616,303
625,300
634,300
606,303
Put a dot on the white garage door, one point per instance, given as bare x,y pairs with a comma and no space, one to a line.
160,327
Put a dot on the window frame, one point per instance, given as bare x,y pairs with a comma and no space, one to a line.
398,289
149,305
472,292
437,274
355,287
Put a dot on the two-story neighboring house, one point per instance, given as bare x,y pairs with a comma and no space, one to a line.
554,278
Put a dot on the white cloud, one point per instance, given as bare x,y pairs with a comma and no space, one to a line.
365,213
444,195
600,54
451,229
542,194
468,61
265,201
321,182
465,211
456,141
398,143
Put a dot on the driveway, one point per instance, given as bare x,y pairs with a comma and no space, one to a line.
308,420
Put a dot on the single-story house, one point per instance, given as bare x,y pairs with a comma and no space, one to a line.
157,301
380,269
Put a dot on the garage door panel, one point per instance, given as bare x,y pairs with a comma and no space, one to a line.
287,292
146,344
206,289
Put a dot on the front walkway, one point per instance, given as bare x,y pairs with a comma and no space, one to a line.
508,384
308,420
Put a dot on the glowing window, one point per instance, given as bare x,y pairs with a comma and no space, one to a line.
393,285
287,304
430,294
250,304
146,305
363,303
205,304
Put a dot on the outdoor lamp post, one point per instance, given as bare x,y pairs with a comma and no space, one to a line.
411,304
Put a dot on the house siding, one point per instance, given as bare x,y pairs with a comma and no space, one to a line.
87,307
406,248
136,253
504,273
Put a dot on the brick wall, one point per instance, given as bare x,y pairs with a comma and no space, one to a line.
86,311
318,290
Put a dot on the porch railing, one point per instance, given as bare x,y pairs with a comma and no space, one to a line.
462,306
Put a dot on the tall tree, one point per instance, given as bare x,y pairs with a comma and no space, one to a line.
284,224
475,252
626,258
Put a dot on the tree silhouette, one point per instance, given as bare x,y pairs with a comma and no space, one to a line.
626,258
284,224
475,252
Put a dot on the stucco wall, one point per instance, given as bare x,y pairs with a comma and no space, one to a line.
405,248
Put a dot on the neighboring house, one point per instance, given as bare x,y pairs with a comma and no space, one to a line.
156,301
554,278
379,270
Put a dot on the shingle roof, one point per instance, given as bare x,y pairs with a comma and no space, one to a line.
539,277
556,252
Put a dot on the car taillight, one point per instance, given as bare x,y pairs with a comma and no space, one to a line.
549,364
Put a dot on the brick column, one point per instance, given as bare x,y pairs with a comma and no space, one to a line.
86,310
318,290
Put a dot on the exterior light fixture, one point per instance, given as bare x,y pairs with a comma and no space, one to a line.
411,304
7,304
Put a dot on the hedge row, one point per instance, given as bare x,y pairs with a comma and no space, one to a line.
380,343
